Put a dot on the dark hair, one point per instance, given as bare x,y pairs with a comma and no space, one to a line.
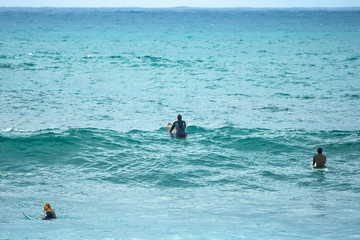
319,150
179,117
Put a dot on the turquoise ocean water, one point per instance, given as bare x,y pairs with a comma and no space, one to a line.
86,95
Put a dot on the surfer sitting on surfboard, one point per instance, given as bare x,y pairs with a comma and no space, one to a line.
180,126
48,212
319,160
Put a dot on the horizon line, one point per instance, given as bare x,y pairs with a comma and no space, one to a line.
184,7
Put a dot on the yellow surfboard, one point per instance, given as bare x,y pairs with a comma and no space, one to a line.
169,125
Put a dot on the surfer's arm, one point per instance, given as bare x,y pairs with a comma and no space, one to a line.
313,160
172,127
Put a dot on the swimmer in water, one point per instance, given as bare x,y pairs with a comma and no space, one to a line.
48,212
319,160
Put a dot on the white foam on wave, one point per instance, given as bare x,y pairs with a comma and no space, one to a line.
12,129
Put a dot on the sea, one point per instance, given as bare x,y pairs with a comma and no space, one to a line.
86,95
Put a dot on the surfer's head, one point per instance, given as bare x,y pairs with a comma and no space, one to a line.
179,117
319,150
47,207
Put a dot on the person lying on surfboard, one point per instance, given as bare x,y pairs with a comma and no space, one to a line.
319,160
180,126
48,212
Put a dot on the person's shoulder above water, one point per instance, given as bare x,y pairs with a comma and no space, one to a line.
49,215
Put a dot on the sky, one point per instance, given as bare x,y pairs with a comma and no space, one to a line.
181,3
